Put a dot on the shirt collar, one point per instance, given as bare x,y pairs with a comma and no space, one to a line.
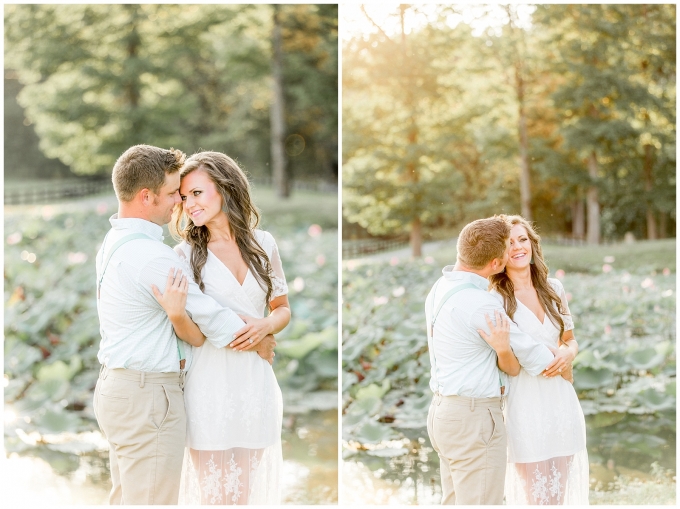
465,277
136,224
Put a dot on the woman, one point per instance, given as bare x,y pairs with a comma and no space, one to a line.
233,401
548,461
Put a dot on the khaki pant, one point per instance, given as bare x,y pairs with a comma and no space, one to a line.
143,418
469,436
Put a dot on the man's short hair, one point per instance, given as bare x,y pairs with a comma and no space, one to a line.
483,240
144,166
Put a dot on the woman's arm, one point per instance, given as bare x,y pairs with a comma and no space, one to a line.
257,328
564,357
173,301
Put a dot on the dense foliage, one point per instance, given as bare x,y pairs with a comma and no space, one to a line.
100,78
52,329
625,371
565,113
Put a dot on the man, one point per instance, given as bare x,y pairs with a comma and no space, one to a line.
138,399
465,421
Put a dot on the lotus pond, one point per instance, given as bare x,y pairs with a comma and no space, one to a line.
52,337
624,377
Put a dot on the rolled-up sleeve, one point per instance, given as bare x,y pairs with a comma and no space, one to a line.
218,324
532,355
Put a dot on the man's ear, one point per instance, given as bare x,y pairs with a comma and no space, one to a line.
145,196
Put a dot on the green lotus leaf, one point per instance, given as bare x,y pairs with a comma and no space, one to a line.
645,358
374,432
605,419
51,389
299,348
374,390
585,358
61,462
589,378
58,370
655,400
368,405
57,422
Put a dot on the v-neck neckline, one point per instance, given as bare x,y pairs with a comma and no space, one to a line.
229,270
532,313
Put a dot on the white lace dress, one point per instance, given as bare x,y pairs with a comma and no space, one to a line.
233,401
547,457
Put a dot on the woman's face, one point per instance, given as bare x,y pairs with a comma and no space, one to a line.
520,248
200,198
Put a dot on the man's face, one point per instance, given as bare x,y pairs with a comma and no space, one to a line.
166,199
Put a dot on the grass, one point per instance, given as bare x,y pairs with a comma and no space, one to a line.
303,207
642,257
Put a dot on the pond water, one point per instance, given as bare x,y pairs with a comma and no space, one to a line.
310,468
381,476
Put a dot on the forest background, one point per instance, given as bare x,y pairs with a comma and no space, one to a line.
563,113
82,84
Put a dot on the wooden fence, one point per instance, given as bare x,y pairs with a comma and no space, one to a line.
358,248
53,190
37,192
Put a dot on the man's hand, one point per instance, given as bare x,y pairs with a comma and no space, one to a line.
499,339
265,348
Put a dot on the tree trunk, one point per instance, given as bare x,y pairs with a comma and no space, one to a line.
578,219
663,224
525,175
593,203
412,177
416,238
277,113
649,186
132,85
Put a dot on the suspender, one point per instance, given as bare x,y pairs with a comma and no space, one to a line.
435,314
105,263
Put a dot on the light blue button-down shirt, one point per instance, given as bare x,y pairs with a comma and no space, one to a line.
463,364
136,332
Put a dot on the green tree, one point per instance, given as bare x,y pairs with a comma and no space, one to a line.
99,78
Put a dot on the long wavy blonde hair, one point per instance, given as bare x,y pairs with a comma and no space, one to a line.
550,301
232,184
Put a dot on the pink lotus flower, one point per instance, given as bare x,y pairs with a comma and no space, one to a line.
394,261
102,208
647,283
429,260
77,258
606,268
320,260
379,301
666,271
560,274
314,230
14,238
607,329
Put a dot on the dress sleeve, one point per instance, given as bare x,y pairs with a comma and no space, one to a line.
279,285
567,318
182,250
218,324
532,355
